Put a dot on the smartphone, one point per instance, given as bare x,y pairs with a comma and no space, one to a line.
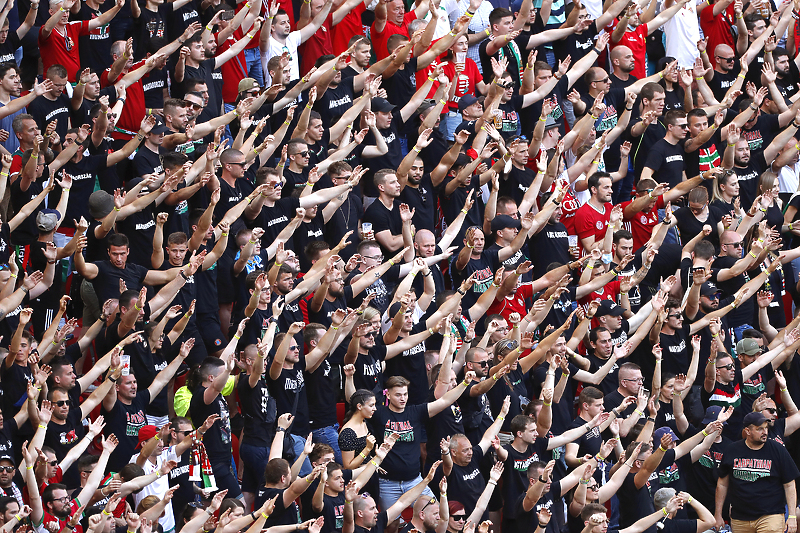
228,14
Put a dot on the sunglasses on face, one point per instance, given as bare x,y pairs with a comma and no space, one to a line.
676,315
482,363
734,244
771,410
729,366
8,469
725,58
62,403
458,517
302,154
242,164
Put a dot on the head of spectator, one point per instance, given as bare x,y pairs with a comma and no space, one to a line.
55,7
194,104
26,130
284,283
461,449
519,151
55,499
698,201
360,56
600,188
697,119
475,239
312,334
725,368
609,315
117,51
175,115
118,250
597,79
426,511
9,74
523,429
747,350
387,185
47,222
362,405
314,251
709,297
71,137
470,107
674,320
781,58
506,83
424,243
535,472
498,326
233,165
479,361
315,129
755,430
652,99
505,229
555,217
768,184
622,244
148,432
334,484
703,252
600,342
395,12
9,506
277,474
298,155
281,27
63,374
458,517
502,348
59,399
111,118
365,512
7,469
731,244
645,187
179,427
755,24
677,126
507,206
750,124
58,75
741,157
243,237
622,59
667,389
630,379
501,21
279,70
177,247
725,58
397,391
670,79
195,85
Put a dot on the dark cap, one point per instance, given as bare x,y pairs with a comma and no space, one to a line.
503,222
466,101
382,105
7,458
100,204
516,6
607,307
712,413
159,128
47,220
753,419
660,432
550,124
708,289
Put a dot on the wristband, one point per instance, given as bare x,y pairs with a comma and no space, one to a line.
416,149
664,510
754,255
137,307
488,33
373,463
224,234
469,15
4,174
698,77
116,208
266,516
660,447
740,75
791,516
465,383
237,337
106,513
586,482
209,28
501,418
494,377
309,481
30,467
547,404
362,455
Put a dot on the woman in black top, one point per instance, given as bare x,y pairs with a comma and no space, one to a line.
355,439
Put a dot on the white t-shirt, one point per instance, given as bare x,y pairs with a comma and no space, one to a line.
788,178
159,487
276,48
682,32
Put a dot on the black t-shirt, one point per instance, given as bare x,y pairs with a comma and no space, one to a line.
749,176
84,177
552,243
63,437
756,478
638,502
576,45
411,365
403,463
218,438
44,111
289,391
517,183
281,516
666,160
391,136
335,101
677,350
149,24
422,200
744,313
689,226
467,481
380,526
762,132
483,267
515,474
720,83
106,284
274,219
642,145
259,410
125,421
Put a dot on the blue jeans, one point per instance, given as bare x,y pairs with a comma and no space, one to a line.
449,123
392,490
254,461
299,444
330,436
227,134
253,57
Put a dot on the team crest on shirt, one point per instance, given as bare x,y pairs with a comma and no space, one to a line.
217,342
643,219
599,224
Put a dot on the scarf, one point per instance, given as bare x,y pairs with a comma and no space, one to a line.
200,466
512,45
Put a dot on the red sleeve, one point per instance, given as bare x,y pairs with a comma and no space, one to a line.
83,29
583,226
660,203
411,15
624,205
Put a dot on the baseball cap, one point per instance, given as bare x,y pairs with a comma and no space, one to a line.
466,101
247,84
100,204
503,222
712,413
382,105
748,346
159,128
47,220
146,433
607,307
753,419
708,289
666,430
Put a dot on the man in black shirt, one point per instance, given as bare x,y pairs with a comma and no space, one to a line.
757,476
53,104
665,157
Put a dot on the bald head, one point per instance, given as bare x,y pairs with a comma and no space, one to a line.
724,57
425,243
231,156
619,51
622,59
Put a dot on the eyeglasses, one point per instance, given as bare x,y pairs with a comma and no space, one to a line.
675,315
606,80
62,403
637,380
303,153
241,164
8,469
374,257
430,502
63,499
458,517
729,366
726,58
698,209
734,244
194,106
771,410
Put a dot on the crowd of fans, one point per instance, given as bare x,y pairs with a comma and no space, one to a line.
367,266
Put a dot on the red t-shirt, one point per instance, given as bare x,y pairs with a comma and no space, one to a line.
465,84
636,40
318,45
253,43
589,222
62,49
642,223
233,71
379,39
718,29
347,28
134,109
609,292
73,508
513,303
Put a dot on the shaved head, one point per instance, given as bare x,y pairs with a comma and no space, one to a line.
230,156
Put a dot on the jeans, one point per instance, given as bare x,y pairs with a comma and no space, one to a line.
299,444
330,436
449,123
392,490
227,134
254,461
226,479
253,57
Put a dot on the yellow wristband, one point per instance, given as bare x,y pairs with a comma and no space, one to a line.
741,75
265,516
